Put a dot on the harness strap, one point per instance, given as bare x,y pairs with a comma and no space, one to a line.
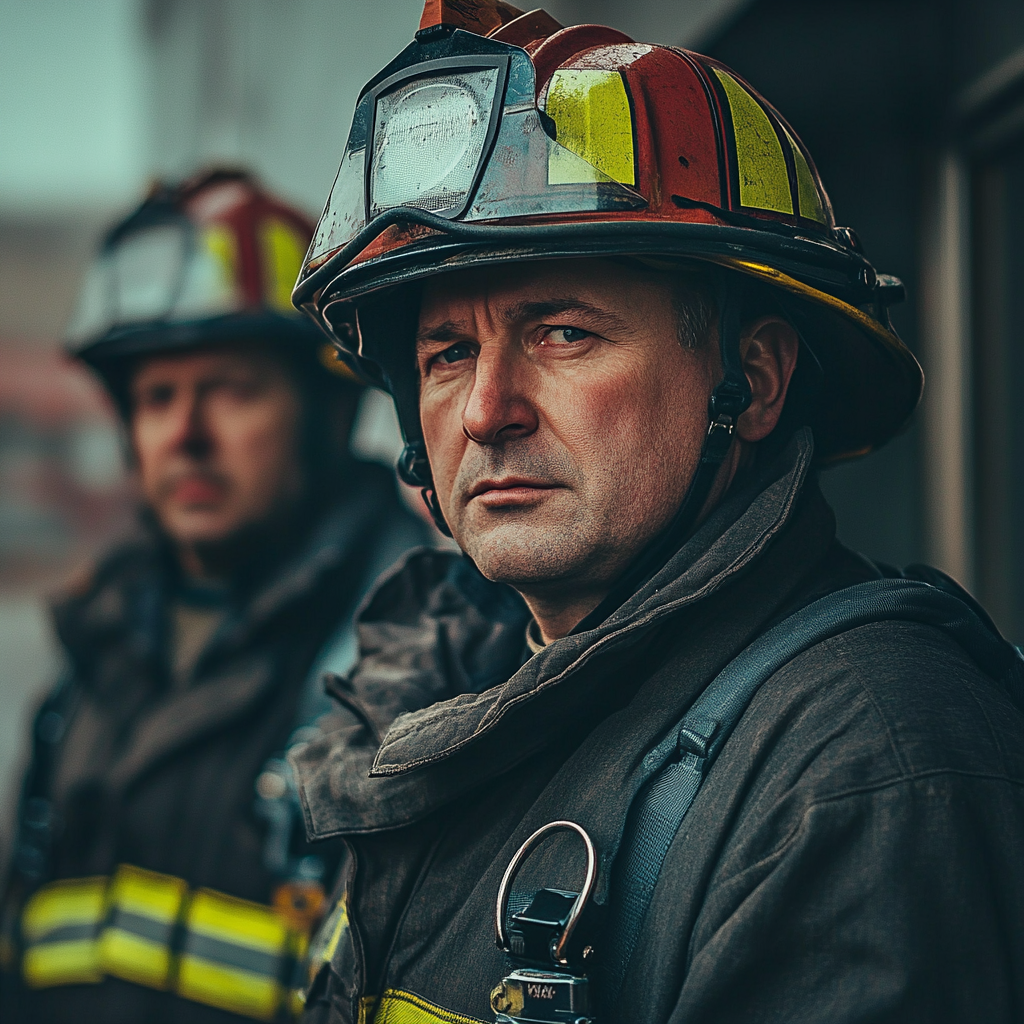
660,806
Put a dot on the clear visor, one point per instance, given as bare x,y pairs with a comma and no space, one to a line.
463,138
165,272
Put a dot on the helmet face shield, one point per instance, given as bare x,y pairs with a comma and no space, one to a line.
461,136
164,272
429,136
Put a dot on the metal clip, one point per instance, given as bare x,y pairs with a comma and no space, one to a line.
501,908
528,996
542,934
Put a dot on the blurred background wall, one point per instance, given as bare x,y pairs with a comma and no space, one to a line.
914,110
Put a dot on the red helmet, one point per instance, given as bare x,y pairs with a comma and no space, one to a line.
498,135
207,261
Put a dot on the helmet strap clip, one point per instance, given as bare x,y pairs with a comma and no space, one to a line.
728,401
429,496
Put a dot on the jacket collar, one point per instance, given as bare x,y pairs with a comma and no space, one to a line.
125,723
435,752
121,603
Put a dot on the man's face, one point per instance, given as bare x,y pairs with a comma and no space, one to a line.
562,416
215,435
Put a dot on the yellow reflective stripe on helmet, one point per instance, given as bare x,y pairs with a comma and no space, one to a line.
591,112
283,252
235,955
398,1007
59,925
791,284
807,191
764,177
219,242
142,911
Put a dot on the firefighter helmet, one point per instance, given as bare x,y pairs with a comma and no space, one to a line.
498,135
207,261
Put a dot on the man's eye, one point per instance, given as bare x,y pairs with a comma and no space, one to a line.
455,353
156,395
241,387
565,335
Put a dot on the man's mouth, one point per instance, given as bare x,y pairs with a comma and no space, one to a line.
509,490
197,491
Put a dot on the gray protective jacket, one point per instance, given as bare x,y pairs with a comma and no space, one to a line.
854,855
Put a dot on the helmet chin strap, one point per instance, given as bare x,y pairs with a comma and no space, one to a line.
729,399
414,469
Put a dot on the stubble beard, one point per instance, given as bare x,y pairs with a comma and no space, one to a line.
543,547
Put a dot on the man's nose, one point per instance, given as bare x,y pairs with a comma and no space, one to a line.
192,433
499,407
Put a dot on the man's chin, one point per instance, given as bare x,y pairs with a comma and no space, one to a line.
199,526
520,552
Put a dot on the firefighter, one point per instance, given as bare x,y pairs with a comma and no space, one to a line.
656,746
160,870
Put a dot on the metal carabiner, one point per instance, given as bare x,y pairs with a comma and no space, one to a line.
514,866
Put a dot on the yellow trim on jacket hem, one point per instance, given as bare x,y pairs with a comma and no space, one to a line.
398,1007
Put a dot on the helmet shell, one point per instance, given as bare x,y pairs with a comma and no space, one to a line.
585,143
208,261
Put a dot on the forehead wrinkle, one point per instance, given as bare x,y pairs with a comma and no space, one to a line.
450,330
525,311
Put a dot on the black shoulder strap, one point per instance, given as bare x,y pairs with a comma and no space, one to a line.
663,802
30,858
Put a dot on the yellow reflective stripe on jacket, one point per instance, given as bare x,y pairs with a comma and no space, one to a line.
398,1007
142,911
325,942
313,955
235,955
147,928
59,926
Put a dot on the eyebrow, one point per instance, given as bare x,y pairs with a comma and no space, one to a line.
448,331
523,312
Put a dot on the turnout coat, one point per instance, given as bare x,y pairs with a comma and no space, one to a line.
129,771
854,854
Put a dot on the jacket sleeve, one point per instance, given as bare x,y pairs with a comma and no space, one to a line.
903,903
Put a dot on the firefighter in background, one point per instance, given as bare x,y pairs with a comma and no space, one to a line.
160,872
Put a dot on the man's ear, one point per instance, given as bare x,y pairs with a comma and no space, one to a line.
768,351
